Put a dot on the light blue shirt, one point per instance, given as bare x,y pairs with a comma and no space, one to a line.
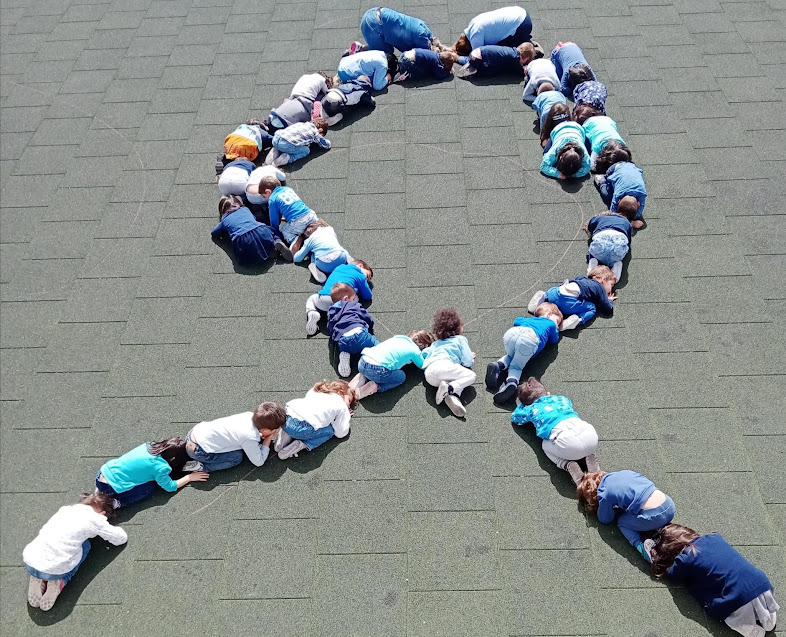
599,130
394,353
136,467
562,134
545,413
456,348
545,101
323,242
494,26
372,64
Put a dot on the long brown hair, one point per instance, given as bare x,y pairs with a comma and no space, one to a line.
340,387
670,541
173,450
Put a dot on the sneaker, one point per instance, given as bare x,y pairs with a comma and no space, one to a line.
319,276
570,323
466,71
357,382
115,504
454,404
312,319
193,465
648,546
442,391
539,52
53,588
344,368
592,463
356,47
770,624
281,440
366,390
748,630
536,300
282,159
35,591
575,471
599,180
283,249
507,393
401,76
292,449
493,372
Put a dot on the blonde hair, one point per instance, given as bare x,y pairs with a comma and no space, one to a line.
544,309
602,273
421,338
340,387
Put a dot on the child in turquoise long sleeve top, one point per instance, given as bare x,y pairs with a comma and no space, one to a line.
566,156
599,131
380,366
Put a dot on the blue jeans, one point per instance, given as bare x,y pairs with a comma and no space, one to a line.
400,31
384,378
608,248
294,152
646,520
66,577
214,461
356,343
303,431
568,304
132,496
521,344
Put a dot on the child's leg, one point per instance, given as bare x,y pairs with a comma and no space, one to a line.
385,378
616,269
605,189
521,346
272,158
305,432
572,439
462,378
318,303
136,494
215,461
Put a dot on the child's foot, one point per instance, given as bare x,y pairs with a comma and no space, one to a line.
507,393
35,591
401,76
283,249
344,368
281,160
770,625
53,588
599,180
454,404
312,319
366,390
648,546
319,276
570,323
575,471
466,71
637,224
493,371
193,465
219,164
442,391
592,463
747,630
292,449
281,440
357,382
536,300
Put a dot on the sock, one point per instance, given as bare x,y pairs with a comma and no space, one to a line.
617,269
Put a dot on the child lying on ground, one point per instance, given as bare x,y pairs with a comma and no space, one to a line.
321,242
572,67
622,189
565,155
346,94
253,242
299,107
610,234
293,143
540,73
378,66
495,60
417,64
357,274
350,326
245,142
288,211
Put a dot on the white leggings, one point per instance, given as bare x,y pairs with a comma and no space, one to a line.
572,439
458,376
318,303
763,608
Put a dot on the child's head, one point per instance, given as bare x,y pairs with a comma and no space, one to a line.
557,114
582,112
228,204
628,207
530,390
462,46
421,338
545,86
549,311
328,78
448,59
268,417
579,73
321,124
365,268
612,153
670,541
102,503
314,226
603,275
267,185
587,491
526,53
447,323
340,387
569,159
342,292
392,64
173,450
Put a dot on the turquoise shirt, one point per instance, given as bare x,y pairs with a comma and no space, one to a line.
562,134
394,353
137,467
456,348
545,413
599,130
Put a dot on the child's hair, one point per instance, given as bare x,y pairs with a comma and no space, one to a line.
314,226
582,112
269,416
463,46
448,59
328,78
569,159
587,491
340,290
392,64
254,122
557,114
268,183
670,541
322,125
340,387
602,273
545,86
99,501
173,450
612,153
421,338
447,323
579,73
628,207
544,309
229,203
526,50
530,390
365,266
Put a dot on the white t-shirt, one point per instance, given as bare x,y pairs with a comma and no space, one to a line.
539,71
58,547
230,434
312,87
320,410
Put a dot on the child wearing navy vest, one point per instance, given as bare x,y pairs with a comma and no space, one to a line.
349,324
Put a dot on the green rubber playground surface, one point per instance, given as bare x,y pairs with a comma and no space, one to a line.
122,321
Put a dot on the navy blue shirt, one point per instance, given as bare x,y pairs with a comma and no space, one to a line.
236,223
347,315
609,222
594,292
426,64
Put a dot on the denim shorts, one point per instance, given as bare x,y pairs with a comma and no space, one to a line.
608,247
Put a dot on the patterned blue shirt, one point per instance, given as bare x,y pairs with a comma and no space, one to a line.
545,413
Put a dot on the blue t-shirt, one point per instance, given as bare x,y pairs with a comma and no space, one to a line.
566,56
425,64
456,348
372,64
616,222
494,26
394,353
545,329
353,276
545,413
627,179
402,31
626,491
136,467
236,224
284,203
545,101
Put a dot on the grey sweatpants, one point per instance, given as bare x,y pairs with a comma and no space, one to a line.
762,608
318,303
572,439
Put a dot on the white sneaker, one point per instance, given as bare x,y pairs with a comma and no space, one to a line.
193,465
748,630
570,323
312,319
536,300
35,591
344,368
357,382
442,391
281,440
319,276
292,449
53,588
366,390
454,404
591,265
770,625
281,160
649,544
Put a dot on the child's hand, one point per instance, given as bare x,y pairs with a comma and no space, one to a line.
198,476
269,439
613,297
585,227
473,356
563,177
351,412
